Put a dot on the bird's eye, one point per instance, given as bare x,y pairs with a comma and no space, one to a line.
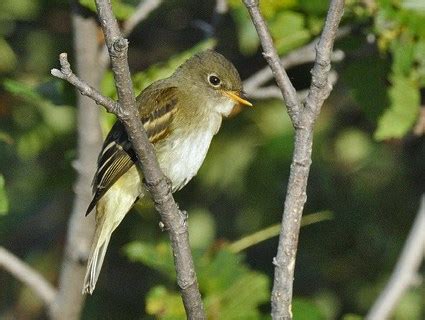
214,80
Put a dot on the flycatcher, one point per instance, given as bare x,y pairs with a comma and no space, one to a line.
180,114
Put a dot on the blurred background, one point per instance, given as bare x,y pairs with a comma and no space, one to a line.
364,188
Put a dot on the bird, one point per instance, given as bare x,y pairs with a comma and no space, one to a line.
180,114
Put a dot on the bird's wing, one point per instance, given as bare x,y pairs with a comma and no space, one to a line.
156,108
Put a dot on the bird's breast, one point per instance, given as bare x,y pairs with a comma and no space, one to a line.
181,155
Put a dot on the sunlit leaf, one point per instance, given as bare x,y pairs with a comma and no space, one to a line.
399,118
403,54
241,299
289,31
164,304
158,257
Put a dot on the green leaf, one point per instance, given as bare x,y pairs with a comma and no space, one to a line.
289,31
241,299
403,53
419,56
220,272
164,304
4,202
158,257
229,287
399,118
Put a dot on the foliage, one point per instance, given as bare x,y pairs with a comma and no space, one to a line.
367,165
229,288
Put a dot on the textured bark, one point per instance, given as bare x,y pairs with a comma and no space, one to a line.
69,301
303,117
158,185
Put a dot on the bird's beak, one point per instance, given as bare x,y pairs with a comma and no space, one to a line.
236,96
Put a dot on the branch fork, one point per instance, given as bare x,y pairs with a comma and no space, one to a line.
303,116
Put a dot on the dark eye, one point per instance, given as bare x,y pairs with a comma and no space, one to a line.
214,80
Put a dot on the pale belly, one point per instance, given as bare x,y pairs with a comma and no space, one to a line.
185,156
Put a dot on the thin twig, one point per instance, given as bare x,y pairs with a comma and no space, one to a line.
406,271
85,89
26,274
302,55
289,93
273,92
159,187
273,231
303,118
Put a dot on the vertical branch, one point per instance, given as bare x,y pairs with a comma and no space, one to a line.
160,188
303,118
69,301
405,273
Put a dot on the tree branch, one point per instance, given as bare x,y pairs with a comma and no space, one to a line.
302,55
303,118
289,93
142,12
173,219
23,272
65,73
405,273
69,300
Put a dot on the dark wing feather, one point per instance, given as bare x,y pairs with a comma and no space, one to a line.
156,106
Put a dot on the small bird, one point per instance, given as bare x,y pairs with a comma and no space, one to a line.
180,114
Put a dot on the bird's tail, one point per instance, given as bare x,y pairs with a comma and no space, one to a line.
94,265
97,255
110,211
